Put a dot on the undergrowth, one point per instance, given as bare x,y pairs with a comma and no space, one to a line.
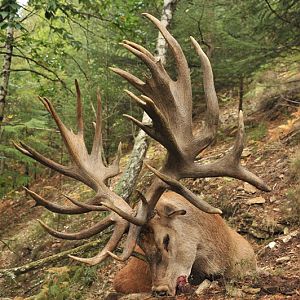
64,283
293,196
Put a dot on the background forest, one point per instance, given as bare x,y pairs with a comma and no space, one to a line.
254,47
55,42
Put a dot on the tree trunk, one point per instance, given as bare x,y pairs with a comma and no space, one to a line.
6,70
128,181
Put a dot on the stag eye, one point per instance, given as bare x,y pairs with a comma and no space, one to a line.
166,242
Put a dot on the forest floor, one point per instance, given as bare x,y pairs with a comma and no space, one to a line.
270,221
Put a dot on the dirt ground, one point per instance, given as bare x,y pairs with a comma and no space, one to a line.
267,220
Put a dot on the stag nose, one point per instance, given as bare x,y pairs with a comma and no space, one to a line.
160,291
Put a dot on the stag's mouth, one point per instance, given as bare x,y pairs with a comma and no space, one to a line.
182,285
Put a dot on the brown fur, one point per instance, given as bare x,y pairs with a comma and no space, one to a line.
135,277
197,239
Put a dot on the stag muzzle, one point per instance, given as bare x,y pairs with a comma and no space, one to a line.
162,291
182,287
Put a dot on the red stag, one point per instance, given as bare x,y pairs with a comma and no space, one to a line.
178,232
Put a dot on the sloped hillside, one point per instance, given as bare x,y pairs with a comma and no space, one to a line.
270,221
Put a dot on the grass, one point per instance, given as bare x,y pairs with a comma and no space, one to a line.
292,208
64,283
258,132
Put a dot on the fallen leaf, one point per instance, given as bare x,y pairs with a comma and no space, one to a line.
203,286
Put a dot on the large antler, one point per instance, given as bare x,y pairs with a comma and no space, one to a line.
89,169
169,104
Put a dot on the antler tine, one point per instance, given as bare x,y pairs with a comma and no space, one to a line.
27,150
141,49
177,187
212,105
80,126
136,82
83,234
40,201
114,168
182,65
160,128
87,206
119,230
134,231
130,218
97,143
155,67
130,243
138,220
61,126
229,165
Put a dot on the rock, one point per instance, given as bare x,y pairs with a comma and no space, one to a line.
203,286
249,188
283,259
259,234
256,200
271,245
272,199
234,292
246,153
288,237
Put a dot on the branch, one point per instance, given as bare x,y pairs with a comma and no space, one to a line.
79,66
40,74
13,272
35,72
279,16
42,66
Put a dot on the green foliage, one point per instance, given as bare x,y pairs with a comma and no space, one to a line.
258,132
64,283
292,206
295,167
85,275
241,36
58,41
66,40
